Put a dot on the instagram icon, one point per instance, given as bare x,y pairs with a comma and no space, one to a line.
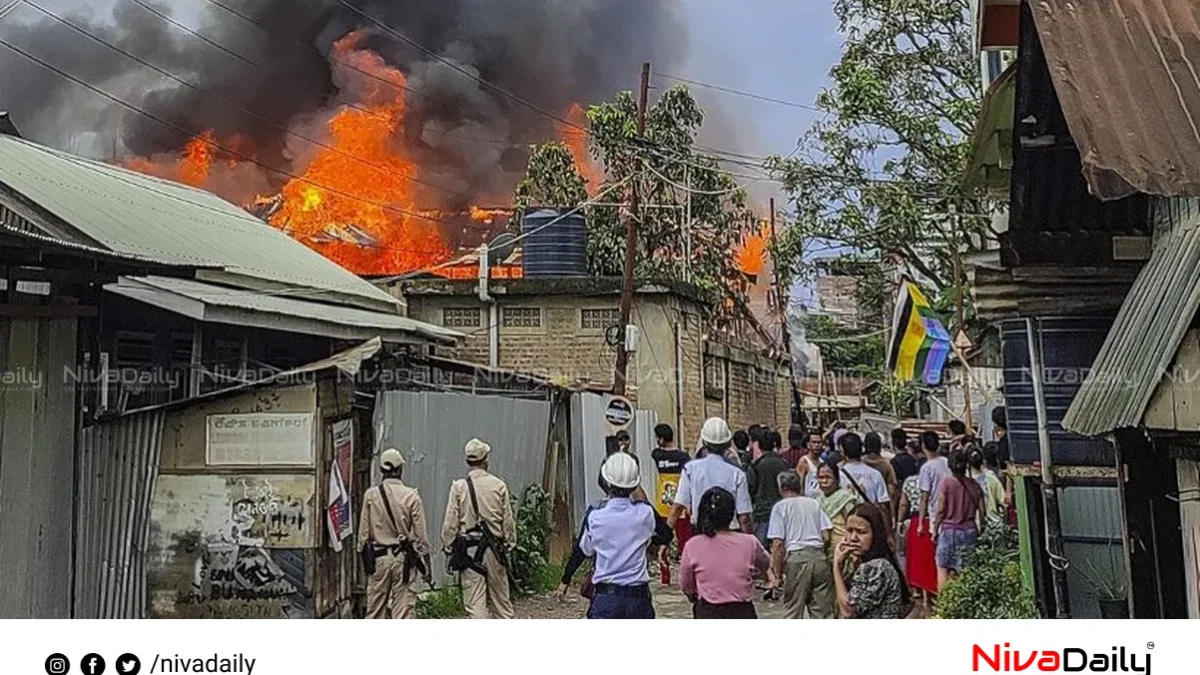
57,664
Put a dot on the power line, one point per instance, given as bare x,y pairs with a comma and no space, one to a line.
735,92
219,97
229,151
329,57
454,66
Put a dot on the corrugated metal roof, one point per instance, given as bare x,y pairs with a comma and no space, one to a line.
203,301
1146,334
1126,74
140,215
37,239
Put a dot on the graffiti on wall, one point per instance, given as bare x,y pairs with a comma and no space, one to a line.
242,554
274,510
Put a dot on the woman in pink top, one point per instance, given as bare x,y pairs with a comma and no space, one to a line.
717,570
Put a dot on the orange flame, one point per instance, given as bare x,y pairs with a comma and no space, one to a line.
191,167
364,219
577,141
751,256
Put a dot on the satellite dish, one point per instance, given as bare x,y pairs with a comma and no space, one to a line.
501,248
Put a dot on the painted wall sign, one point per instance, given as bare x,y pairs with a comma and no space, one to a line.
618,412
260,439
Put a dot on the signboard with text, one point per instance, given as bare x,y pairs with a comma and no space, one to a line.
260,439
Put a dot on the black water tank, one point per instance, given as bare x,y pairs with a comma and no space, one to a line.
554,250
1069,346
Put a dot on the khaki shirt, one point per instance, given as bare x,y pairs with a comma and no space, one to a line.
494,508
406,504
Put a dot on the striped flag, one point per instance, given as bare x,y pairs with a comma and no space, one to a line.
920,343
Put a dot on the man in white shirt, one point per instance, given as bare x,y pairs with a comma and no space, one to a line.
799,532
933,471
863,480
700,475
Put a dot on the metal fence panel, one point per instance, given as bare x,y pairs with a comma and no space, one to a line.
37,462
118,469
1091,532
432,428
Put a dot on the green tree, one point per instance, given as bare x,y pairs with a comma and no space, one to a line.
552,178
844,351
666,167
881,171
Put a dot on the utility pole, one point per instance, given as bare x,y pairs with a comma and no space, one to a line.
622,363
1053,522
960,325
781,299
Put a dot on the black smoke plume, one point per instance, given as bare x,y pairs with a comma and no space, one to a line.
466,137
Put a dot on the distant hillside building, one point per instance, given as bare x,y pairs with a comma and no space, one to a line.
837,297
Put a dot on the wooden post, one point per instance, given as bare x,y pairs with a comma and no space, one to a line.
622,364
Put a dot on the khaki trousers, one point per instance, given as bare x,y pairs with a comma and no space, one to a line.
480,592
386,590
807,583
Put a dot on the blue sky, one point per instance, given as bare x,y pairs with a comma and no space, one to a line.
777,48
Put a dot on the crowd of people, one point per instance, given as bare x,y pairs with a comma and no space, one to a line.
837,524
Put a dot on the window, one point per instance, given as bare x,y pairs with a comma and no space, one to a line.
599,319
460,317
522,317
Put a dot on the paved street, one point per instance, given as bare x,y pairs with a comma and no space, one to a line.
669,603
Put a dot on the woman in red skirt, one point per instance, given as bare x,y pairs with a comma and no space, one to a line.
920,567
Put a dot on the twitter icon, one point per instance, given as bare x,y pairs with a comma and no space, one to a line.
129,664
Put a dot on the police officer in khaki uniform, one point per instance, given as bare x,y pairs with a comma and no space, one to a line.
399,538
494,513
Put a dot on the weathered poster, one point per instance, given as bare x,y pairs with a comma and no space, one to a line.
340,476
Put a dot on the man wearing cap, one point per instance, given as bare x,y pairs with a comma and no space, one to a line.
618,533
479,518
712,471
392,524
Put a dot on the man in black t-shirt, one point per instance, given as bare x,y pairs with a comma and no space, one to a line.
762,479
669,461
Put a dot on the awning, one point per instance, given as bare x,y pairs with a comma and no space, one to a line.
235,306
990,163
1126,75
1142,343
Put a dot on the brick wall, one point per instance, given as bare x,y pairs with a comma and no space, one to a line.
756,389
560,349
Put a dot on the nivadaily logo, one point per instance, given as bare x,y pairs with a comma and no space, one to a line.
1004,659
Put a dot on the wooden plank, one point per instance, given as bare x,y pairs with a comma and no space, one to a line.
1185,379
1160,413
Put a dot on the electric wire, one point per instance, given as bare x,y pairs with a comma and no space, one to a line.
219,97
229,151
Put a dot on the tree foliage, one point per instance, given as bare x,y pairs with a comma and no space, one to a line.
842,351
880,171
989,585
552,178
665,165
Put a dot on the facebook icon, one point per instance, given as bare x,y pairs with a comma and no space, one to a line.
92,664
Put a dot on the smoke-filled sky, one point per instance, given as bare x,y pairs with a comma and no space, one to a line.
550,52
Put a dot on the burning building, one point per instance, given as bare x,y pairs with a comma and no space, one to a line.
367,130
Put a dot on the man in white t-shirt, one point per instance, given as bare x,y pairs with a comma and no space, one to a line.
799,532
935,468
862,480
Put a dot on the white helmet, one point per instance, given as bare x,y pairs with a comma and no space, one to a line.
715,431
621,471
391,459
